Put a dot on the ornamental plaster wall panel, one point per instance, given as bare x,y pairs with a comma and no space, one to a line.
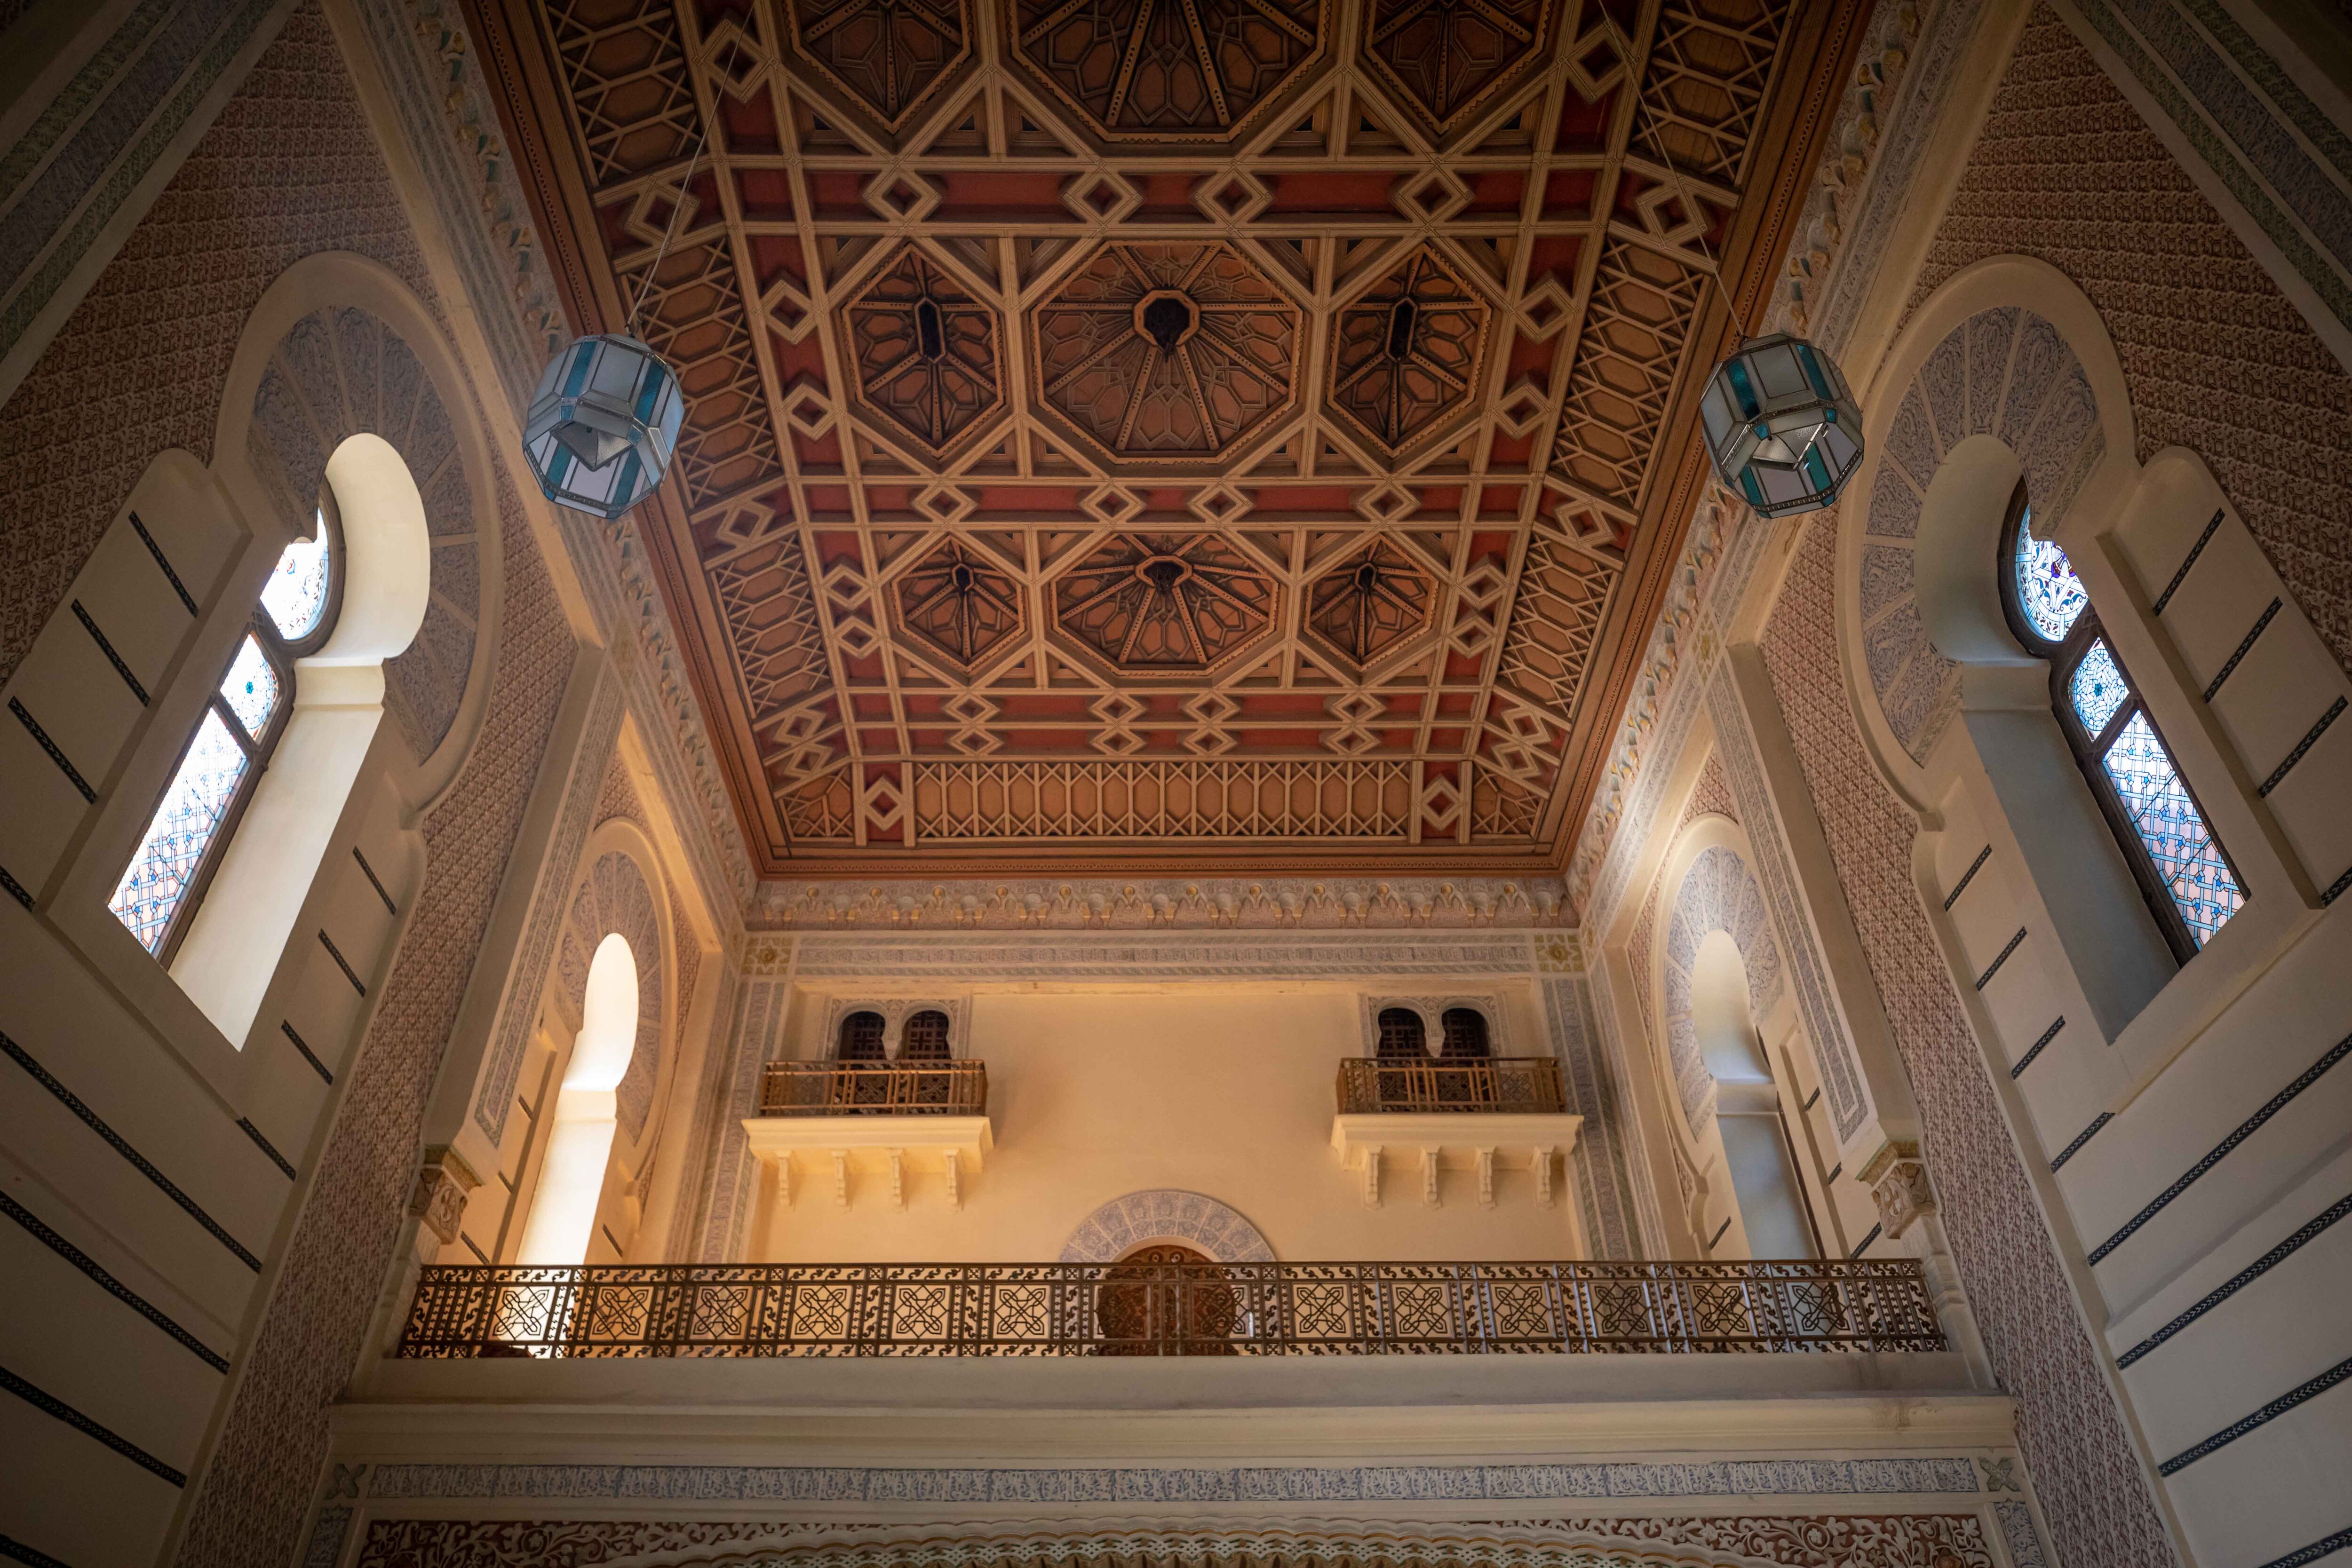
140,364
2086,1471
1717,892
1123,1224
254,1494
2216,357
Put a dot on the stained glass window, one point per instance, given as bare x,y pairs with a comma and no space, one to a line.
296,594
2190,862
2049,593
200,795
166,876
250,688
2098,688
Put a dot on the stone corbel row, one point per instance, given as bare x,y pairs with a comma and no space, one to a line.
1539,1161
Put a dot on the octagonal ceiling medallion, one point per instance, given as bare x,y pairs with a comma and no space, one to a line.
1407,355
959,604
1166,605
925,352
1158,351
886,56
1182,71
1373,603
1451,59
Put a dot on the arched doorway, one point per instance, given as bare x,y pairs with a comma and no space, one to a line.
1165,1298
580,1148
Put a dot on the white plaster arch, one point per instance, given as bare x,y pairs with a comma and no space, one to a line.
2005,369
621,889
1166,1214
338,347
1710,886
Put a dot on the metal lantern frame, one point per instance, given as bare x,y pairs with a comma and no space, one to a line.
603,424
1782,427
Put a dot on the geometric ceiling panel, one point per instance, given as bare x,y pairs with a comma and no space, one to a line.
926,355
887,54
1167,351
1371,601
1146,434
1179,71
1448,60
1156,605
1407,353
959,603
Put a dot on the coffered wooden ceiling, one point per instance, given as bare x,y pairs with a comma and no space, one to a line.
1169,434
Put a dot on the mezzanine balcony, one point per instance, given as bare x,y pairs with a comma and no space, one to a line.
1155,1309
850,1125
874,1089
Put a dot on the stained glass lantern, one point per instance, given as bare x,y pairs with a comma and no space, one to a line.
603,424
1781,425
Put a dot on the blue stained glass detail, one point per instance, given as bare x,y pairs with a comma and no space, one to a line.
157,878
2054,598
2098,688
296,594
250,687
2173,828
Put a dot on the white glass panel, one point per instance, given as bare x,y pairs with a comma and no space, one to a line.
2053,596
2173,828
250,687
158,875
296,594
2098,688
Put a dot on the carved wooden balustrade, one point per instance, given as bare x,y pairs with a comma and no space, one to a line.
1169,1309
873,1087
1523,1084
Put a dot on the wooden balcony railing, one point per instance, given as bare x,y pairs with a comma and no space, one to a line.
1170,1309
1526,1084
873,1087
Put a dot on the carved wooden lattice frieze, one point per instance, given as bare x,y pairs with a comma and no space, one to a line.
1141,431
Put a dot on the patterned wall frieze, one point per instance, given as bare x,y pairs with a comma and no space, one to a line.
1919,1476
136,106
1605,1152
2285,165
1164,904
1878,1540
450,124
544,925
1118,1227
828,958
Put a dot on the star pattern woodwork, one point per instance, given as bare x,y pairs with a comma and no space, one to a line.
1169,434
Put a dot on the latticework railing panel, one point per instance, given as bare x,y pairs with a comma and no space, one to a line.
873,1087
1171,1309
1526,1084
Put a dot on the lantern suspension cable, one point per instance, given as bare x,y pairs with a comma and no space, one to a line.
1713,270
685,194
603,424
1780,424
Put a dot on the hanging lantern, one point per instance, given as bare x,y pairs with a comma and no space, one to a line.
1781,425
603,424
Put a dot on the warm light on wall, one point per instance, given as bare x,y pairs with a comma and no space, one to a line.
580,1144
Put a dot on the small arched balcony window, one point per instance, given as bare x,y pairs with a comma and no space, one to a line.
2189,885
230,746
1402,1038
927,1036
1465,1034
861,1038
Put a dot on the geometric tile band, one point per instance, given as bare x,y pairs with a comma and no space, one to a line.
108,1282
2277,1407
1282,1483
2242,1278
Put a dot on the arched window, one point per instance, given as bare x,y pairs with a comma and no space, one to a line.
1757,1153
927,1036
580,1144
861,1038
2187,879
1464,1034
230,746
1402,1038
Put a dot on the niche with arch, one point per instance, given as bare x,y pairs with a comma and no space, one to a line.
893,1028
1719,978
